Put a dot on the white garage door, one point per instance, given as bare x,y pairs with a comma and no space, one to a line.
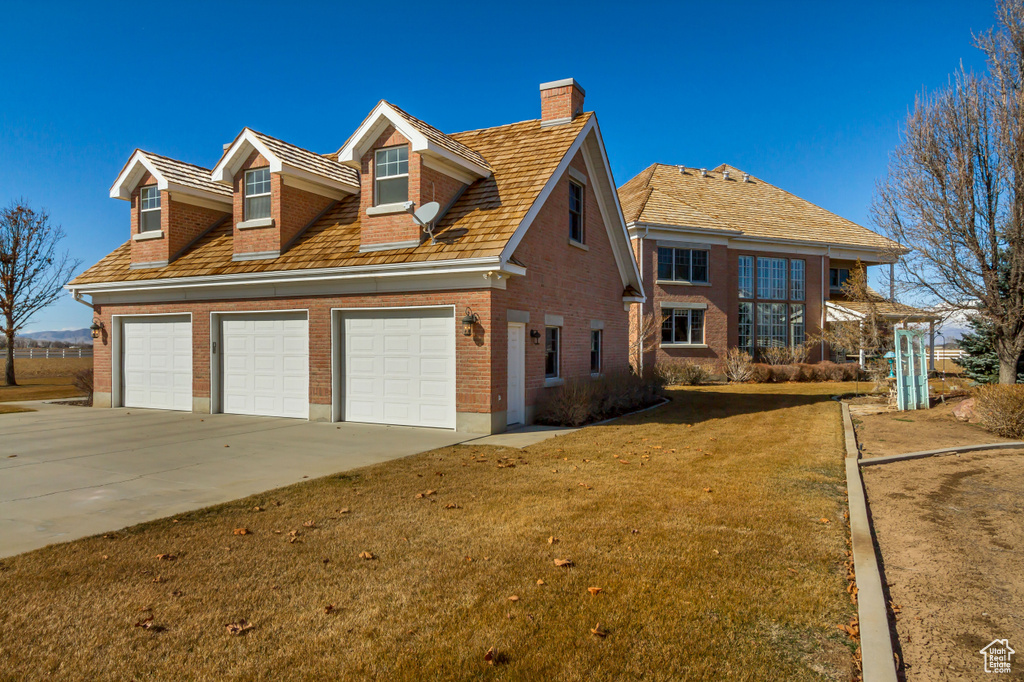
265,364
157,362
400,367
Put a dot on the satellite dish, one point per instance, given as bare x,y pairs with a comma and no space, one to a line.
426,213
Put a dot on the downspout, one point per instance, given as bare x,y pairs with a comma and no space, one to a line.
640,312
77,295
828,252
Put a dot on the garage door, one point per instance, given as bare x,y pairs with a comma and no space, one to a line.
157,362
265,364
400,367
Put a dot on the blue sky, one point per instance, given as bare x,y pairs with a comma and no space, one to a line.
807,95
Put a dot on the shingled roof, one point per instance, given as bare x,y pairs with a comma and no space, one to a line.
661,194
297,157
449,142
521,156
180,173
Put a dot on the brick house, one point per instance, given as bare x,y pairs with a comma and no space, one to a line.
729,260
289,283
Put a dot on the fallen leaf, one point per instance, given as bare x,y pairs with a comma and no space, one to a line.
825,521
145,623
431,492
166,557
294,533
239,627
159,579
292,540
552,540
328,608
489,656
176,593
715,552
513,598
343,510
622,461
309,524
241,531
366,555
564,563
451,506
257,508
635,531
104,557
596,630
791,570
707,490
594,590
540,581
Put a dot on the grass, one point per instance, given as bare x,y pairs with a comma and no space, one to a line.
43,379
701,522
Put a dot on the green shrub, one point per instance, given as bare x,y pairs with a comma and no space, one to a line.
581,401
1001,409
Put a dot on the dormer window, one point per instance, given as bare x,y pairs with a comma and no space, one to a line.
257,194
576,212
149,209
391,174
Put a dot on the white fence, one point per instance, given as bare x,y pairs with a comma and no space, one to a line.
29,353
948,353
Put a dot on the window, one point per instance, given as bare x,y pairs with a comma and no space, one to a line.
797,335
595,351
746,327
796,280
149,209
392,175
837,278
683,265
576,212
257,193
746,276
771,325
682,326
551,352
771,278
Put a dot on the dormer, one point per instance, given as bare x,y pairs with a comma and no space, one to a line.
173,204
278,190
404,163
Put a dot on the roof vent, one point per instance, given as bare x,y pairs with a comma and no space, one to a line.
225,147
725,175
682,170
746,177
703,172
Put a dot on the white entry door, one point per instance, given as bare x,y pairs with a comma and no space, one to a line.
516,406
265,364
156,368
399,367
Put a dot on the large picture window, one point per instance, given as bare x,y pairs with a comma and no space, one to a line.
796,279
391,175
771,278
683,265
257,193
149,209
797,328
771,325
682,325
551,352
746,327
746,276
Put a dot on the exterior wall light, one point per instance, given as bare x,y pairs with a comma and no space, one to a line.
535,335
96,328
468,321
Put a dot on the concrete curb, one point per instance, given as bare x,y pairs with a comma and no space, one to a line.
664,401
878,662
871,461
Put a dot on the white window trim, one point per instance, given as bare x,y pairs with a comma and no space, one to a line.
246,196
149,234
159,207
255,222
704,331
689,305
377,177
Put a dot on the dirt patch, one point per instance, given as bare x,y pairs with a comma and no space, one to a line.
895,433
951,534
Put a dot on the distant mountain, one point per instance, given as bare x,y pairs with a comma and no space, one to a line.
76,336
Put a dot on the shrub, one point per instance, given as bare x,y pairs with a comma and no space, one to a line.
798,354
580,401
738,365
82,380
761,373
683,372
1001,409
775,355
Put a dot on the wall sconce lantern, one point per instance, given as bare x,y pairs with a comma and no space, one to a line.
535,335
96,328
468,321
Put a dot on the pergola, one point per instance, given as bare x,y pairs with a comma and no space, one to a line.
896,313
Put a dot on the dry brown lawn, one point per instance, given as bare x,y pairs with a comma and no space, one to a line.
42,379
702,522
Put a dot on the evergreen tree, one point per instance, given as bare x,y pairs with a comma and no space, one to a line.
980,361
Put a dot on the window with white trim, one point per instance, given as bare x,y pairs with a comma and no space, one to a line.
746,277
391,175
683,265
576,212
797,326
682,325
772,322
771,278
551,351
837,278
257,193
595,351
149,209
746,327
796,279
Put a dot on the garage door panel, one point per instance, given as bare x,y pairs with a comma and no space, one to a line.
266,364
157,362
399,367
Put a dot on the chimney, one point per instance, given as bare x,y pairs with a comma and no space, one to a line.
560,101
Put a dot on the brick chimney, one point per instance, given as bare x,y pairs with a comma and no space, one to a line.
560,101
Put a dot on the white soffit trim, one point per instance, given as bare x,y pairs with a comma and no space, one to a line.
607,199
132,173
383,115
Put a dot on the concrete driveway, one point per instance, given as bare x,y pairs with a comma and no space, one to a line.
68,472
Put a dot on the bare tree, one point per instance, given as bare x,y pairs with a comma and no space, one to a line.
955,191
869,331
32,272
643,330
